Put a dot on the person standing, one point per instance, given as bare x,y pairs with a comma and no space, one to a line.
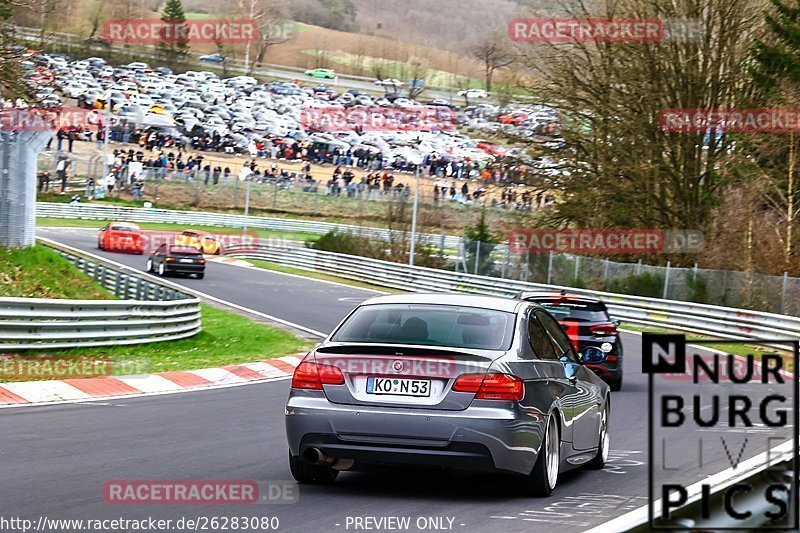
61,172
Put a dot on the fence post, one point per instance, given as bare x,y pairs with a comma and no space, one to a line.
505,262
666,280
577,268
477,256
639,267
694,273
117,283
550,267
605,270
783,292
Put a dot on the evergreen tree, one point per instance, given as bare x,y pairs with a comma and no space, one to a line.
778,60
174,44
12,83
479,243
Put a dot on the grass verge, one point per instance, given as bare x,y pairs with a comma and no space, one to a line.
39,272
226,339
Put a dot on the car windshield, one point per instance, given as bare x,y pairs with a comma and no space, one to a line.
580,311
431,325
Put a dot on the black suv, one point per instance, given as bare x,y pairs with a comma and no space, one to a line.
587,323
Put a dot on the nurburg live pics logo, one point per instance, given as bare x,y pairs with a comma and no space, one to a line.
709,413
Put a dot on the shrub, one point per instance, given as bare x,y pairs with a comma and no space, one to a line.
645,284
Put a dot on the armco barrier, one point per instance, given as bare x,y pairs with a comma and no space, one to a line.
190,218
723,322
149,313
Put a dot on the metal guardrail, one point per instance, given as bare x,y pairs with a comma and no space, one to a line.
149,312
723,322
189,218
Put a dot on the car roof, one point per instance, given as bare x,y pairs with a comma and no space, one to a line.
555,295
465,300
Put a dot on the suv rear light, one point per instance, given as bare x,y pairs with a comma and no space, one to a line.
603,330
313,376
491,386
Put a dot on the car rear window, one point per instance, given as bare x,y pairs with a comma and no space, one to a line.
124,227
184,250
580,311
432,325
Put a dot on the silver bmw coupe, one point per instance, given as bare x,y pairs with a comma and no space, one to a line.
460,382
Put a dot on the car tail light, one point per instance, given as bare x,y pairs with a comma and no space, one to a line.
201,261
313,376
491,386
168,259
603,330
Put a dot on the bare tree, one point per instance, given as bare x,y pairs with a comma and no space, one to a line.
48,13
495,53
622,169
95,12
273,28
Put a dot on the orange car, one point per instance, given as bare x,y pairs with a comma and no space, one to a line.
203,242
515,118
121,237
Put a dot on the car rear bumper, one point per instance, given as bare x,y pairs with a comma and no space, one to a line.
185,268
501,438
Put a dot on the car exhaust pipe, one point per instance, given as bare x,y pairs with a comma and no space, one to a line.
316,456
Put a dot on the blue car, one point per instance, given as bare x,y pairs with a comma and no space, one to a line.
213,58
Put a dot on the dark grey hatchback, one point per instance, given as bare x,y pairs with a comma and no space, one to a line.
448,381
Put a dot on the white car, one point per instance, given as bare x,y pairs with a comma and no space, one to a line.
474,93
389,82
73,90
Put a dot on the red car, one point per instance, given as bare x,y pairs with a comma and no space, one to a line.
121,237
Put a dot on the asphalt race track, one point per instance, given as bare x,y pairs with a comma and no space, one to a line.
56,459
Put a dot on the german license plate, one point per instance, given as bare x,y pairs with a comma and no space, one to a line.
186,260
399,386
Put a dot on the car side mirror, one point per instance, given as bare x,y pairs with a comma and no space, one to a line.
592,356
617,322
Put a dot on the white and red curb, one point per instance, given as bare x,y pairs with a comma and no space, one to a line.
72,390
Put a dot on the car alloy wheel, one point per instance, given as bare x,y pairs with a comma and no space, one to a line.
161,269
604,436
544,476
552,449
149,265
603,441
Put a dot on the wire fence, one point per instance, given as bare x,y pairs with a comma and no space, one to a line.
746,290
